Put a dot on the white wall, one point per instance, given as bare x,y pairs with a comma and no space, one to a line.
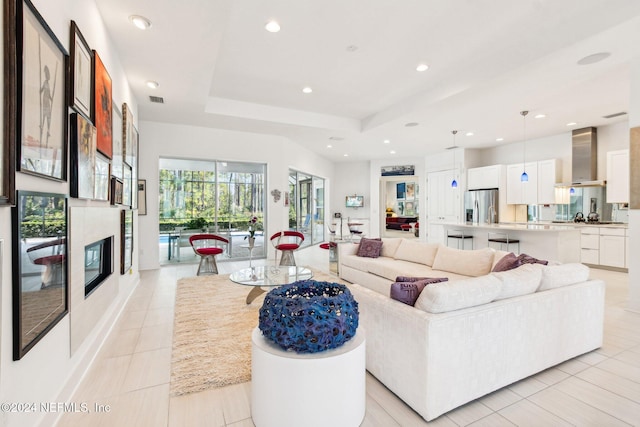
48,372
634,214
191,142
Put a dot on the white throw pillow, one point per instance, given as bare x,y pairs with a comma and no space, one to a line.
556,276
469,263
519,281
458,294
390,246
422,253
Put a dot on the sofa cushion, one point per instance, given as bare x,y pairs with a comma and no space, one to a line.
409,291
469,263
413,251
455,295
370,248
507,262
556,276
519,281
390,245
390,268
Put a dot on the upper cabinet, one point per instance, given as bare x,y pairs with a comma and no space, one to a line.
549,174
519,192
539,189
618,176
483,178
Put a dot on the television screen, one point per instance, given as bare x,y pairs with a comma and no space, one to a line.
355,201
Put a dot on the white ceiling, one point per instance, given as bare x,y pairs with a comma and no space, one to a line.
489,59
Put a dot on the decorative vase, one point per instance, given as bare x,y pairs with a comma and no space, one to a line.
252,242
309,316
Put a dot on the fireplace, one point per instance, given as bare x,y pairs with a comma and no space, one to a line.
98,264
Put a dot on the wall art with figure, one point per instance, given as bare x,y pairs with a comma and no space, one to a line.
102,106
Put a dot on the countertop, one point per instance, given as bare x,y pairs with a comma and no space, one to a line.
536,226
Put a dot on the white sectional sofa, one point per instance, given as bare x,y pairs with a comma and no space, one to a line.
475,333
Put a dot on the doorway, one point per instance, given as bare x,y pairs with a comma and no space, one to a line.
399,206
306,206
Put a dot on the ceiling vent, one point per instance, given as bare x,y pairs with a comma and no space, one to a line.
156,99
611,116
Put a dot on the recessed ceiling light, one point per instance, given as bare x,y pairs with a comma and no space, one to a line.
307,89
469,134
571,124
152,84
499,139
329,146
272,27
422,67
540,116
387,141
411,124
592,59
140,21
345,155
392,152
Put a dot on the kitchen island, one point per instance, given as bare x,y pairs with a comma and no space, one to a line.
556,242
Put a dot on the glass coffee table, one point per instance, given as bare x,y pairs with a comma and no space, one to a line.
266,276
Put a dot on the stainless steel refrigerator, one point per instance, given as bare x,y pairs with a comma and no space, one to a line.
481,206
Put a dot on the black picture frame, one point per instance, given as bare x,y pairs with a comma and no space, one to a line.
117,188
142,197
81,81
83,157
40,270
42,76
126,240
8,142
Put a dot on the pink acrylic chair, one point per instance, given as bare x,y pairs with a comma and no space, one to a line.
207,246
287,242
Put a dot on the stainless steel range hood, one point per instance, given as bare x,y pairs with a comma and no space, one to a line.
584,159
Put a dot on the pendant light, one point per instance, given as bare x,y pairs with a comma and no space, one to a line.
454,183
524,177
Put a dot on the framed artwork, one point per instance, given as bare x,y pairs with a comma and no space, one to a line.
117,158
40,285
41,123
116,191
126,241
102,106
83,157
7,142
102,175
401,190
410,194
127,130
397,170
127,187
81,88
134,162
142,197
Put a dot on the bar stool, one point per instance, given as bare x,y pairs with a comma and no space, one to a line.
502,239
460,238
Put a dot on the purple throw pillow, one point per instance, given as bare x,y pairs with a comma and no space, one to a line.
528,259
370,248
411,279
507,262
408,292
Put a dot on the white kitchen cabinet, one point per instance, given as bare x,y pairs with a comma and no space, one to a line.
612,250
549,174
443,203
618,176
626,248
518,192
484,177
590,245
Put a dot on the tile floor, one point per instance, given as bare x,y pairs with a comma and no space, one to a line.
131,374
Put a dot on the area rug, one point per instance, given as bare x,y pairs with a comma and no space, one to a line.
212,333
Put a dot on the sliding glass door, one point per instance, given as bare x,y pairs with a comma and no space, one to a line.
212,196
306,207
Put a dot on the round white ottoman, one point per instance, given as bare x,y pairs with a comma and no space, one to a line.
321,389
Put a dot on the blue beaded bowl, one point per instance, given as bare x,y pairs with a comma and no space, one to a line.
309,316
